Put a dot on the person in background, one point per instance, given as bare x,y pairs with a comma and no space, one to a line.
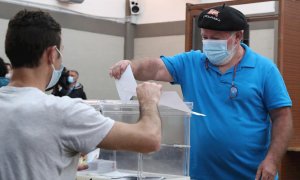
42,136
3,72
75,89
61,84
249,122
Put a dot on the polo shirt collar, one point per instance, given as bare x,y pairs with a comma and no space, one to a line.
248,59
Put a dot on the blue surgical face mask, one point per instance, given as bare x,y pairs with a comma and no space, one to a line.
71,79
217,51
55,74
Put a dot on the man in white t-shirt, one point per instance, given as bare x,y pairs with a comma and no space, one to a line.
41,135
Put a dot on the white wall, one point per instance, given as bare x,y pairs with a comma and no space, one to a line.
262,42
101,8
164,45
3,28
91,54
154,11
157,46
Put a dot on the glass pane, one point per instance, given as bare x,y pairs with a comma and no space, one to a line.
263,38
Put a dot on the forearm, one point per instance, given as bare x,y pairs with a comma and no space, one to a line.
150,121
144,136
281,132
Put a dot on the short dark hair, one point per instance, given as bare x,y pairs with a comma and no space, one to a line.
29,33
72,70
3,68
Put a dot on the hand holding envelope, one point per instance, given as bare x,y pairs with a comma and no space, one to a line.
126,87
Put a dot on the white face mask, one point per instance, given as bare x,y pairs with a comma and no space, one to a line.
217,51
55,74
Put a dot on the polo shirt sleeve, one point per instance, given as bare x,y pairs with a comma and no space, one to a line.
275,92
178,64
84,127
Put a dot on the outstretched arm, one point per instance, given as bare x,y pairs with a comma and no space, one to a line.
143,70
145,135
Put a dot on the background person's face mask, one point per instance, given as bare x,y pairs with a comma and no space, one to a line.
71,79
217,51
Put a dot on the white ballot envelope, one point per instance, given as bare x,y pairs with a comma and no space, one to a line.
126,87
172,100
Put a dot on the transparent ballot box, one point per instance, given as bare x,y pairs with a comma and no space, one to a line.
170,162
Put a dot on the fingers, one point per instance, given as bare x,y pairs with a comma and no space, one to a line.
267,175
149,86
258,173
82,167
118,69
263,173
149,92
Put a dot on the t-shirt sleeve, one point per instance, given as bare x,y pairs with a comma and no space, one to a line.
177,64
275,91
84,127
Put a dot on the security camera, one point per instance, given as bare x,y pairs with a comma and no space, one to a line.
134,7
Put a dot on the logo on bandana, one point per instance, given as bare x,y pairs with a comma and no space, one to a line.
213,12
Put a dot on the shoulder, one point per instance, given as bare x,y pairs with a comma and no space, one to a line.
261,62
264,61
66,105
189,55
265,65
265,68
78,86
192,54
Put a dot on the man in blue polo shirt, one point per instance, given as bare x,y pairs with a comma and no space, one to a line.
248,124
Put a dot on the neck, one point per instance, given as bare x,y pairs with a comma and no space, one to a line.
234,60
29,77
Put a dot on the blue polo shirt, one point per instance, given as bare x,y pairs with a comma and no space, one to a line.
233,139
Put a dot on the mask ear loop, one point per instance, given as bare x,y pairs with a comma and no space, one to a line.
233,48
60,55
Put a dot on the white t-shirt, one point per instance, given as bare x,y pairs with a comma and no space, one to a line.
41,135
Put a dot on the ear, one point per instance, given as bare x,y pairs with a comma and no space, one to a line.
50,53
239,35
